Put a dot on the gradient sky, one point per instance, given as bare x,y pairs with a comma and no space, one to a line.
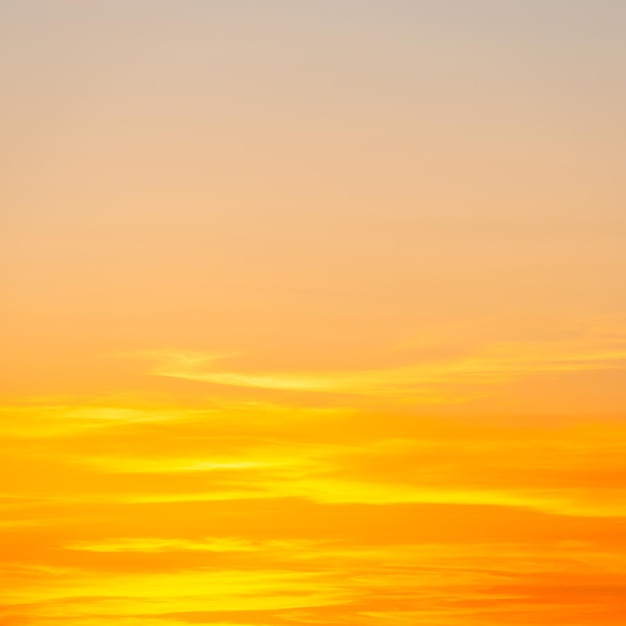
314,312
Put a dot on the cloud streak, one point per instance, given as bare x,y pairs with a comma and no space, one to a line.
428,383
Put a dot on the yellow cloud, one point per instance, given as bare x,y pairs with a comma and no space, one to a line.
574,470
72,593
211,544
560,502
62,420
428,383
164,465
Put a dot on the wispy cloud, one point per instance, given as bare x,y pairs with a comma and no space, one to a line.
433,382
46,420
210,544
73,593
575,470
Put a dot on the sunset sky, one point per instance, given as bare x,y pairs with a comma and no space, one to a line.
313,313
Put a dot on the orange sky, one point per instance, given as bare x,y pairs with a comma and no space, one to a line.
313,313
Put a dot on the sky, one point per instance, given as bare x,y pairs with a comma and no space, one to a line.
313,313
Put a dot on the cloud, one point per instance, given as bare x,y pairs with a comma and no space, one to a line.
41,421
435,382
210,544
74,593
576,471
573,470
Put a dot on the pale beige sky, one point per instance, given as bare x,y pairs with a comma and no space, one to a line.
311,184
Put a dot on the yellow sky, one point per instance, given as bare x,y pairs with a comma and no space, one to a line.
313,313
